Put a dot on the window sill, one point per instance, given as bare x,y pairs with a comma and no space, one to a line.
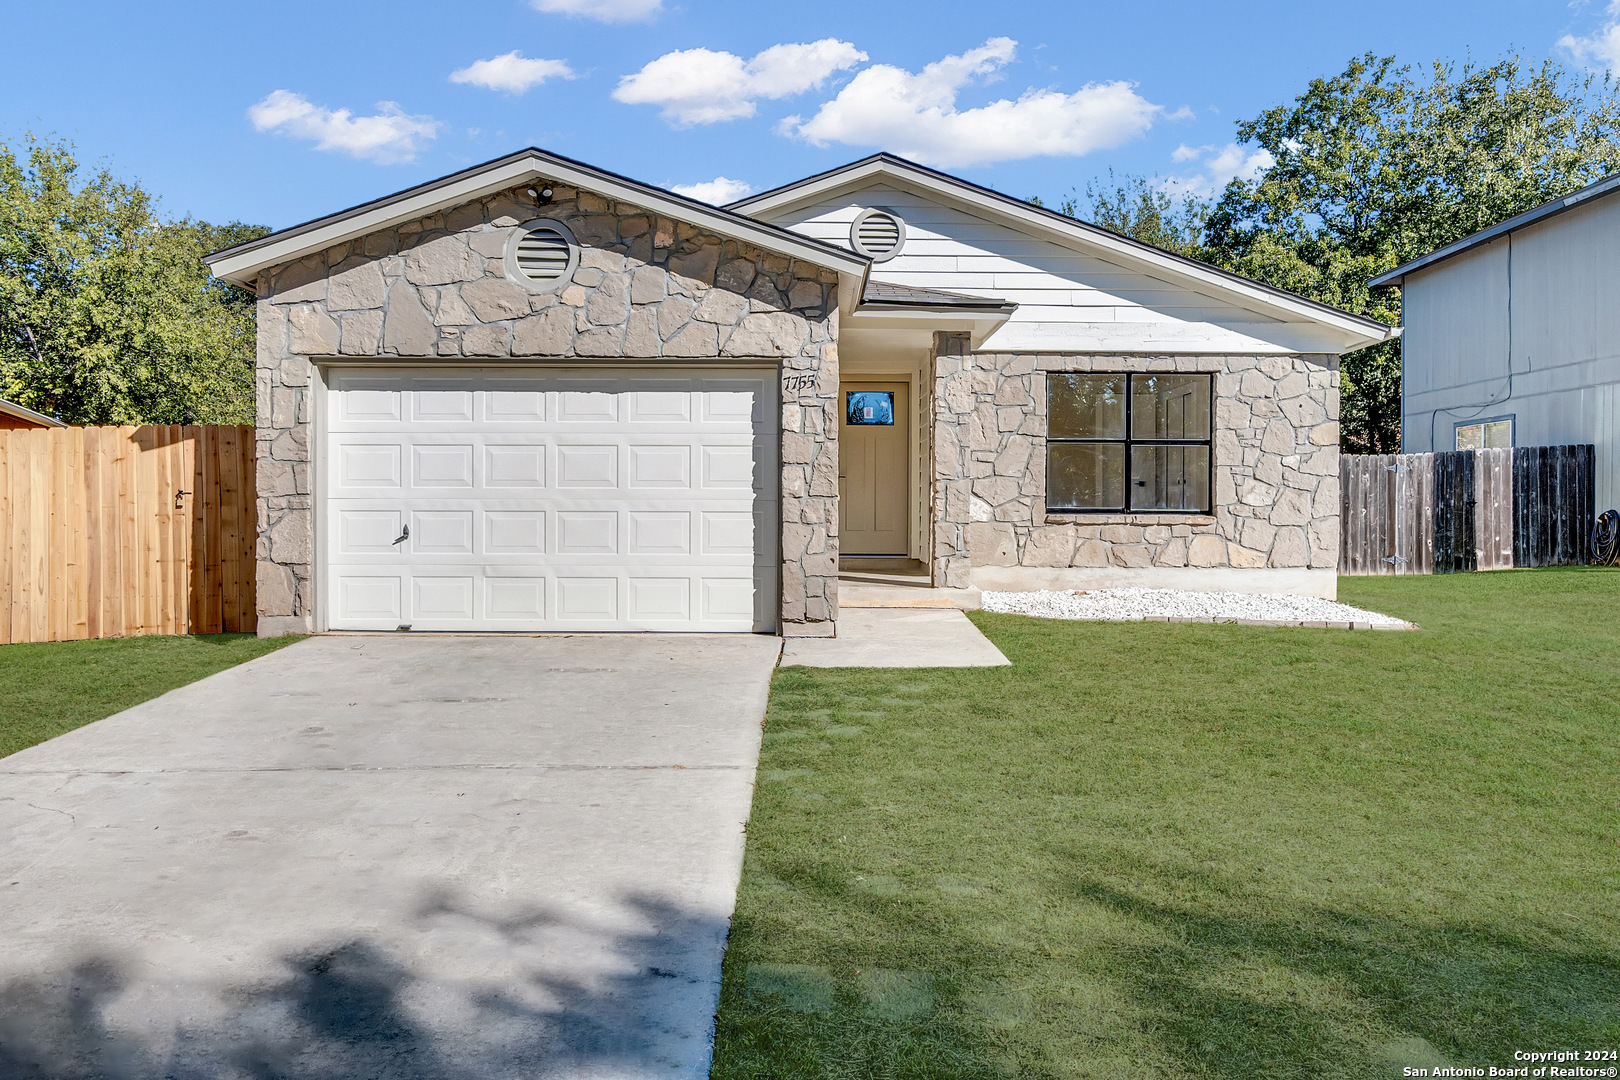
1137,517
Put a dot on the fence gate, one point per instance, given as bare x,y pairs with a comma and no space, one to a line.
1465,510
118,531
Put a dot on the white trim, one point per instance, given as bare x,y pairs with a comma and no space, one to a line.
1069,232
22,412
241,264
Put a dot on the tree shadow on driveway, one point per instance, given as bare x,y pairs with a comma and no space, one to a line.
397,1009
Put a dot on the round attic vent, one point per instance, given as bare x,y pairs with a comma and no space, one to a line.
877,233
542,254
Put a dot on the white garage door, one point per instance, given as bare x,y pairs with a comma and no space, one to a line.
528,499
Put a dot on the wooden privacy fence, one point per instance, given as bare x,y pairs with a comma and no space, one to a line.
117,531
1465,510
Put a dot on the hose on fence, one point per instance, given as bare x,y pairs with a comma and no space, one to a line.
1606,539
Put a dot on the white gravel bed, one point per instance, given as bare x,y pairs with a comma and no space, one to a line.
1135,605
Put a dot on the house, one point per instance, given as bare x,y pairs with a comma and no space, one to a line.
14,417
1512,335
536,395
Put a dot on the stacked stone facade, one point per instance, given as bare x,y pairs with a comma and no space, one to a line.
646,289
1276,467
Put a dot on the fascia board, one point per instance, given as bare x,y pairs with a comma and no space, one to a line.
1033,220
242,263
23,412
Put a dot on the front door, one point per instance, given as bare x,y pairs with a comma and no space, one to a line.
872,483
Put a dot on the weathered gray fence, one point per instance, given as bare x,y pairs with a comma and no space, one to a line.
1465,510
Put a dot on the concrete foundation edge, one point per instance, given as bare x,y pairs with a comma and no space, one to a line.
1301,582
810,630
271,626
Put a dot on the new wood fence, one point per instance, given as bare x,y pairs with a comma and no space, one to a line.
1465,510
117,531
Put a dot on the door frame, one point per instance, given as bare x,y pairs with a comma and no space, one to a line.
909,450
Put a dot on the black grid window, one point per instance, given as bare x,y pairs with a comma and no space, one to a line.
1128,443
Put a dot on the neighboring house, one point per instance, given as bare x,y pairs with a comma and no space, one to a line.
14,416
535,395
1512,335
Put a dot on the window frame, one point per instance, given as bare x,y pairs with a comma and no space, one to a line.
1129,442
1513,433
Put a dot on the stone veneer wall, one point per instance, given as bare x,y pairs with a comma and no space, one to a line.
1276,447
647,289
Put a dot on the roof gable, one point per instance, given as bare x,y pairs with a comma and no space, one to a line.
1322,328
241,264
1609,185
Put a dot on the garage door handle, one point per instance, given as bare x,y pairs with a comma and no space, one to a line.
404,536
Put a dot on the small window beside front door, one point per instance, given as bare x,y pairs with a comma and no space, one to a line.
1485,435
869,408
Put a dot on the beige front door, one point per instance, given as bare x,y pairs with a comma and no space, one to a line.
872,483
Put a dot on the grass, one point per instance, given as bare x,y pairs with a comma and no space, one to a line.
47,689
1159,850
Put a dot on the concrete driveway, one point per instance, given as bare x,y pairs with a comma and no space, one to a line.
389,857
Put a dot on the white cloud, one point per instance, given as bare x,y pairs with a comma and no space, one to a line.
392,135
700,86
1599,51
716,192
916,115
602,10
511,72
1217,167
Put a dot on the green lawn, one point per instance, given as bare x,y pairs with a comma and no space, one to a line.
1151,850
51,688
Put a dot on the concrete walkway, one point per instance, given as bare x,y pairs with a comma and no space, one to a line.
897,637
402,857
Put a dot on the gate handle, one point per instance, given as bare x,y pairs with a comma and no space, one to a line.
404,536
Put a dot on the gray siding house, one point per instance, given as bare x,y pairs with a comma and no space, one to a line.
1512,335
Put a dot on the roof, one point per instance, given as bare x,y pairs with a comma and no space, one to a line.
883,293
1243,292
242,263
11,408
1607,186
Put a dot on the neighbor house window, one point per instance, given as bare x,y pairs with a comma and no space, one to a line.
1127,443
1485,435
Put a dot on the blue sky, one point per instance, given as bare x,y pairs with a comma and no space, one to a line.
274,114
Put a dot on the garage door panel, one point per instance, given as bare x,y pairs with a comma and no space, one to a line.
370,465
513,402
587,404
442,532
660,532
515,466
550,501
441,404
371,601
660,466
514,532
442,598
587,532
588,467
515,599
660,599
442,466
589,599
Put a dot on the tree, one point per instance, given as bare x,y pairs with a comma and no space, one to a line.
1377,166
1372,168
107,314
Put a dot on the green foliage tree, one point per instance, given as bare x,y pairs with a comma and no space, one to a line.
1376,166
107,314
